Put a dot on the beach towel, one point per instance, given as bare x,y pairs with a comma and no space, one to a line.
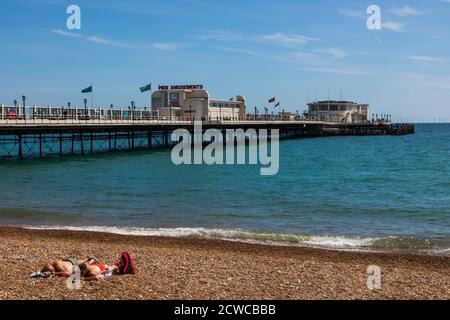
41,274
105,274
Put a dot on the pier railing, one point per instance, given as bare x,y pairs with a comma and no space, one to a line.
36,134
36,115
31,116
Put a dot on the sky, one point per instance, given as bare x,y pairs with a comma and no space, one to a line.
297,51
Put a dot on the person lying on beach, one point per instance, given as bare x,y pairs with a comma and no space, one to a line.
97,271
90,269
62,267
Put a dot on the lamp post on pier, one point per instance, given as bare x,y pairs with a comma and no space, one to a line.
24,110
85,108
133,107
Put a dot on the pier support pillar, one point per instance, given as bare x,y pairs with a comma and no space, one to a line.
149,139
73,141
60,144
81,143
92,143
20,147
40,145
166,139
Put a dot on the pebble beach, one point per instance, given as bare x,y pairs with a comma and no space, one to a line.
194,268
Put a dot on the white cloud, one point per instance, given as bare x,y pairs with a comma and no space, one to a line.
302,56
334,52
394,26
108,42
218,36
407,11
287,39
429,81
166,46
353,13
67,34
244,51
337,71
425,58
94,39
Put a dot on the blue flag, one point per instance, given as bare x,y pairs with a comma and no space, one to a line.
87,90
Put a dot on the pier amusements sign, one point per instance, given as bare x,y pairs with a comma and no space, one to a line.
182,87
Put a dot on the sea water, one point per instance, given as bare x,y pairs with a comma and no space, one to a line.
386,192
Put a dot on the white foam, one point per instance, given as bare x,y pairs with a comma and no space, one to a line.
234,234
271,238
340,242
134,231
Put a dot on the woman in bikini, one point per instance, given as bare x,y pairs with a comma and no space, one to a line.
96,271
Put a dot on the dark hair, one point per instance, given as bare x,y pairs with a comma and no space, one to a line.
83,268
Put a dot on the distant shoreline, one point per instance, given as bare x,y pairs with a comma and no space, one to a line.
199,268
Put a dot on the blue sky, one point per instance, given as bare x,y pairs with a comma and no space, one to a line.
288,49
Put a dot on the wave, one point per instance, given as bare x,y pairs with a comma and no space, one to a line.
337,242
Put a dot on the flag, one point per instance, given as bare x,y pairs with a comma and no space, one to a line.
87,90
277,105
272,100
146,88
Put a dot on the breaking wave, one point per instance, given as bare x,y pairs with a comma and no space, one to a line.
338,242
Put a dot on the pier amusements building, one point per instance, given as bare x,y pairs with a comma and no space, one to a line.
338,111
192,102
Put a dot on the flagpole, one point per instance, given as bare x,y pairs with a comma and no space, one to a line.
150,105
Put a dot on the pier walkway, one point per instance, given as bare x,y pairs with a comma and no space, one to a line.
28,138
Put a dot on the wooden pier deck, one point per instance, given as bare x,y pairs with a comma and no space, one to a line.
20,139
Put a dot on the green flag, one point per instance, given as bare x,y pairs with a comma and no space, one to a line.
146,88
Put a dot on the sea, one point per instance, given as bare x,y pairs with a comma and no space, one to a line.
367,193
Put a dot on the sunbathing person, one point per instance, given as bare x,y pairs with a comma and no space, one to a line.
96,271
62,267
90,269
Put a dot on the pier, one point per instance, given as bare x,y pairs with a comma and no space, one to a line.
59,135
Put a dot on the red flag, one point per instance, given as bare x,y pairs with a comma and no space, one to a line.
272,100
